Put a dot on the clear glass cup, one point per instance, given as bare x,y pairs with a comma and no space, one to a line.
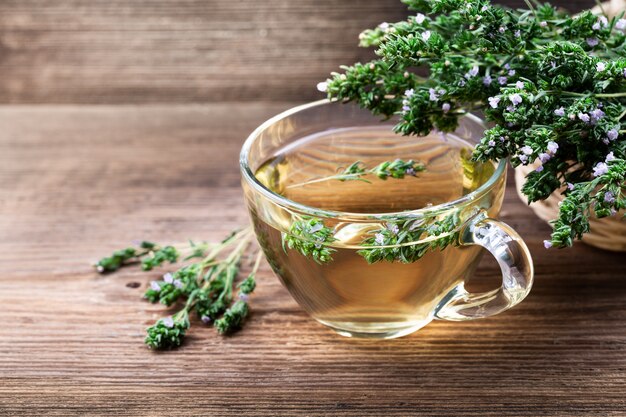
383,299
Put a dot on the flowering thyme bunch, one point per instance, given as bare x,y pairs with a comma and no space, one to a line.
552,85
205,286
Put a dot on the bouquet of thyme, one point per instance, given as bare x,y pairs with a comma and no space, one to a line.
205,284
551,85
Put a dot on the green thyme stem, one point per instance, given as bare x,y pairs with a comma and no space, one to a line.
340,177
257,262
246,231
236,253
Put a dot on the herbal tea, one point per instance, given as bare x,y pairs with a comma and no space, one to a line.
379,299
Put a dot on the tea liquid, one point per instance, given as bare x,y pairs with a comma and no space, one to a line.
385,299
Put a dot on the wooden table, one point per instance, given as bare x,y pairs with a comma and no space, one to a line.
77,182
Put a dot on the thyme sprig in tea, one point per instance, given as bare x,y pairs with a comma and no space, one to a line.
395,242
356,171
311,238
552,85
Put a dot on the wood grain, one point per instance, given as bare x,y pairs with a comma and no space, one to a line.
188,51
78,182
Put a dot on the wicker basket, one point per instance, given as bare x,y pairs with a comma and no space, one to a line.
606,233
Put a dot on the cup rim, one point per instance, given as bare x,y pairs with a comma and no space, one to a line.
294,206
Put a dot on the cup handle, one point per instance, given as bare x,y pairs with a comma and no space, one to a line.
517,272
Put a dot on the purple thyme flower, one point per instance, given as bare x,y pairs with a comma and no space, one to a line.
409,93
510,109
584,117
205,319
462,82
570,186
547,244
178,283
560,112
384,26
543,24
445,107
610,157
511,73
523,158
474,71
393,228
612,134
379,239
487,80
603,21
501,29
600,66
517,33
426,36
493,102
515,99
621,24
553,147
600,169
433,94
520,85
419,19
155,286
168,278
527,150
244,297
592,42
544,157
491,143
502,80
597,114
609,197
410,171
539,168
168,322
323,86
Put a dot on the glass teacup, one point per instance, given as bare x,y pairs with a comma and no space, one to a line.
375,252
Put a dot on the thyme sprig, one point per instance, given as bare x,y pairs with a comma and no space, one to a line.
149,254
393,242
552,85
311,238
205,286
397,169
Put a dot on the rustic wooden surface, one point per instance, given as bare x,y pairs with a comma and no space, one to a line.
152,51
77,182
